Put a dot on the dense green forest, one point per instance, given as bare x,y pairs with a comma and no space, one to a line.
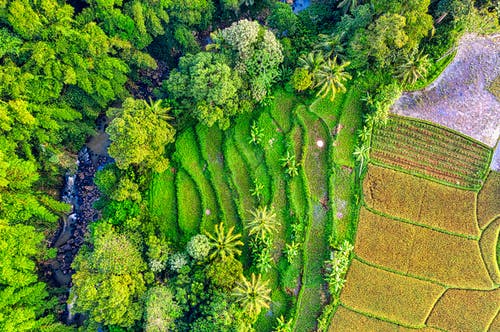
182,85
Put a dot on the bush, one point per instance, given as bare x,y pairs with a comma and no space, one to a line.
198,247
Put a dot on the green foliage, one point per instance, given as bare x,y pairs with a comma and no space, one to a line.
158,251
23,300
283,19
263,223
224,273
108,281
198,247
139,133
224,244
301,79
255,53
177,261
205,87
339,262
256,134
252,295
385,97
290,164
161,310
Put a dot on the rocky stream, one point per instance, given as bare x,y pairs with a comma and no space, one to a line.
81,193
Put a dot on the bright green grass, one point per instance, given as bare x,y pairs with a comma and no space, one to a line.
211,150
162,207
328,110
188,205
253,156
241,178
350,122
343,198
188,154
281,109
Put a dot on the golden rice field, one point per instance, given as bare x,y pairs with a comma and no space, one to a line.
425,250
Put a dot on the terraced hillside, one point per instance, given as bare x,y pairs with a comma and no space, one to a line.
215,175
425,251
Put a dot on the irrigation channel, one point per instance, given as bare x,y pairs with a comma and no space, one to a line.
80,192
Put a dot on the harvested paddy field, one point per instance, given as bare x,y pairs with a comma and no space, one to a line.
426,249
421,201
460,97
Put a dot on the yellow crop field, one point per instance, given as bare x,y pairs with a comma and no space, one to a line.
346,320
394,297
384,241
451,260
488,246
488,200
409,249
422,201
465,310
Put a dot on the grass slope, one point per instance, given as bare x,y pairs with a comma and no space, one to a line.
188,154
162,203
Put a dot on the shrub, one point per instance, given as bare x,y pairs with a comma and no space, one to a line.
177,261
198,247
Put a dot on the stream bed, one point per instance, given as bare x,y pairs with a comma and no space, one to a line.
81,193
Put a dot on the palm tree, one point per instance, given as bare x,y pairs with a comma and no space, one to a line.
349,5
331,77
413,67
252,295
311,62
263,222
158,109
361,153
224,245
331,46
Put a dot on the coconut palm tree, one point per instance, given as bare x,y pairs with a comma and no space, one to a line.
311,62
263,222
331,77
331,46
224,244
252,295
413,67
349,5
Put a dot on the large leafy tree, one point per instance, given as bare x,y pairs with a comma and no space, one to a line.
205,86
140,21
161,310
139,133
108,283
255,53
